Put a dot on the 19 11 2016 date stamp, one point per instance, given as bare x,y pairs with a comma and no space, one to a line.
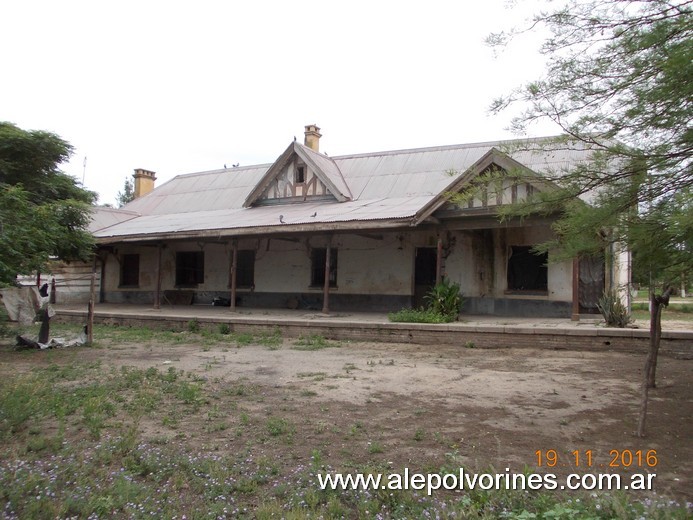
616,458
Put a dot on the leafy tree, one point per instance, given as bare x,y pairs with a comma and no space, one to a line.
43,212
618,80
128,193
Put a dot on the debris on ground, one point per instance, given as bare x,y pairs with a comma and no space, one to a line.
22,303
81,339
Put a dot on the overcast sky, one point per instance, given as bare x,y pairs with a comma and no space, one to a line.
179,87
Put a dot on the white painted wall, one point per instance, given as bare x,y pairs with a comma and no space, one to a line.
380,263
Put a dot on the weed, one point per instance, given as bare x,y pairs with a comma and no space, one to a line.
316,459
356,428
194,326
277,426
375,447
224,329
469,344
419,435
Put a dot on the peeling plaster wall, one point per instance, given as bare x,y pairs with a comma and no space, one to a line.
284,268
478,262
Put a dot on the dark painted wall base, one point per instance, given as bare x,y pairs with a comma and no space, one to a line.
357,302
517,307
302,301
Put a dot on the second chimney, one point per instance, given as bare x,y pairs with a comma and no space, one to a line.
312,139
144,181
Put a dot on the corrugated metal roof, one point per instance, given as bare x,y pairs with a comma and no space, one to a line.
327,166
103,217
383,186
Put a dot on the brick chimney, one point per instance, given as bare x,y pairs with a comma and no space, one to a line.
144,181
312,139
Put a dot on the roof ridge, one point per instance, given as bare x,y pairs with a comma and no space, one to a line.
222,170
447,147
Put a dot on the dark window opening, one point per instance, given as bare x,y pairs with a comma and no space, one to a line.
527,271
130,270
317,267
300,174
245,268
425,266
190,268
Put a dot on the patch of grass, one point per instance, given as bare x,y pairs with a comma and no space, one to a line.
315,376
375,447
271,340
224,329
244,339
277,426
418,316
314,342
194,326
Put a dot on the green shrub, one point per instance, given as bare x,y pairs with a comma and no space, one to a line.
615,313
445,298
443,305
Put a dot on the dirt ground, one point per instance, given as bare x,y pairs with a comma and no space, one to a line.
420,404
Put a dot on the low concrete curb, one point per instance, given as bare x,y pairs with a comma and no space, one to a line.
584,337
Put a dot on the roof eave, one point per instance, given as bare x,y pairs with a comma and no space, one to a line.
322,227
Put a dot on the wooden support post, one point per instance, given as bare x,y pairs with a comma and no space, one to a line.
53,295
326,288
439,261
92,300
234,269
157,294
576,290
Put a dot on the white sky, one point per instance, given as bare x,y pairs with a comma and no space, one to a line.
179,87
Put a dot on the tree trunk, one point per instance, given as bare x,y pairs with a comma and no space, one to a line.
657,303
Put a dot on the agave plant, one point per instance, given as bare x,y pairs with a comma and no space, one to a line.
446,299
615,313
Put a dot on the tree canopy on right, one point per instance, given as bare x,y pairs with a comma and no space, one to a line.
618,79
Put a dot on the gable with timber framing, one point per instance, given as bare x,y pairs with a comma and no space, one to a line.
494,180
296,180
299,175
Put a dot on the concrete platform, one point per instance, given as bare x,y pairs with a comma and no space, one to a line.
470,331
